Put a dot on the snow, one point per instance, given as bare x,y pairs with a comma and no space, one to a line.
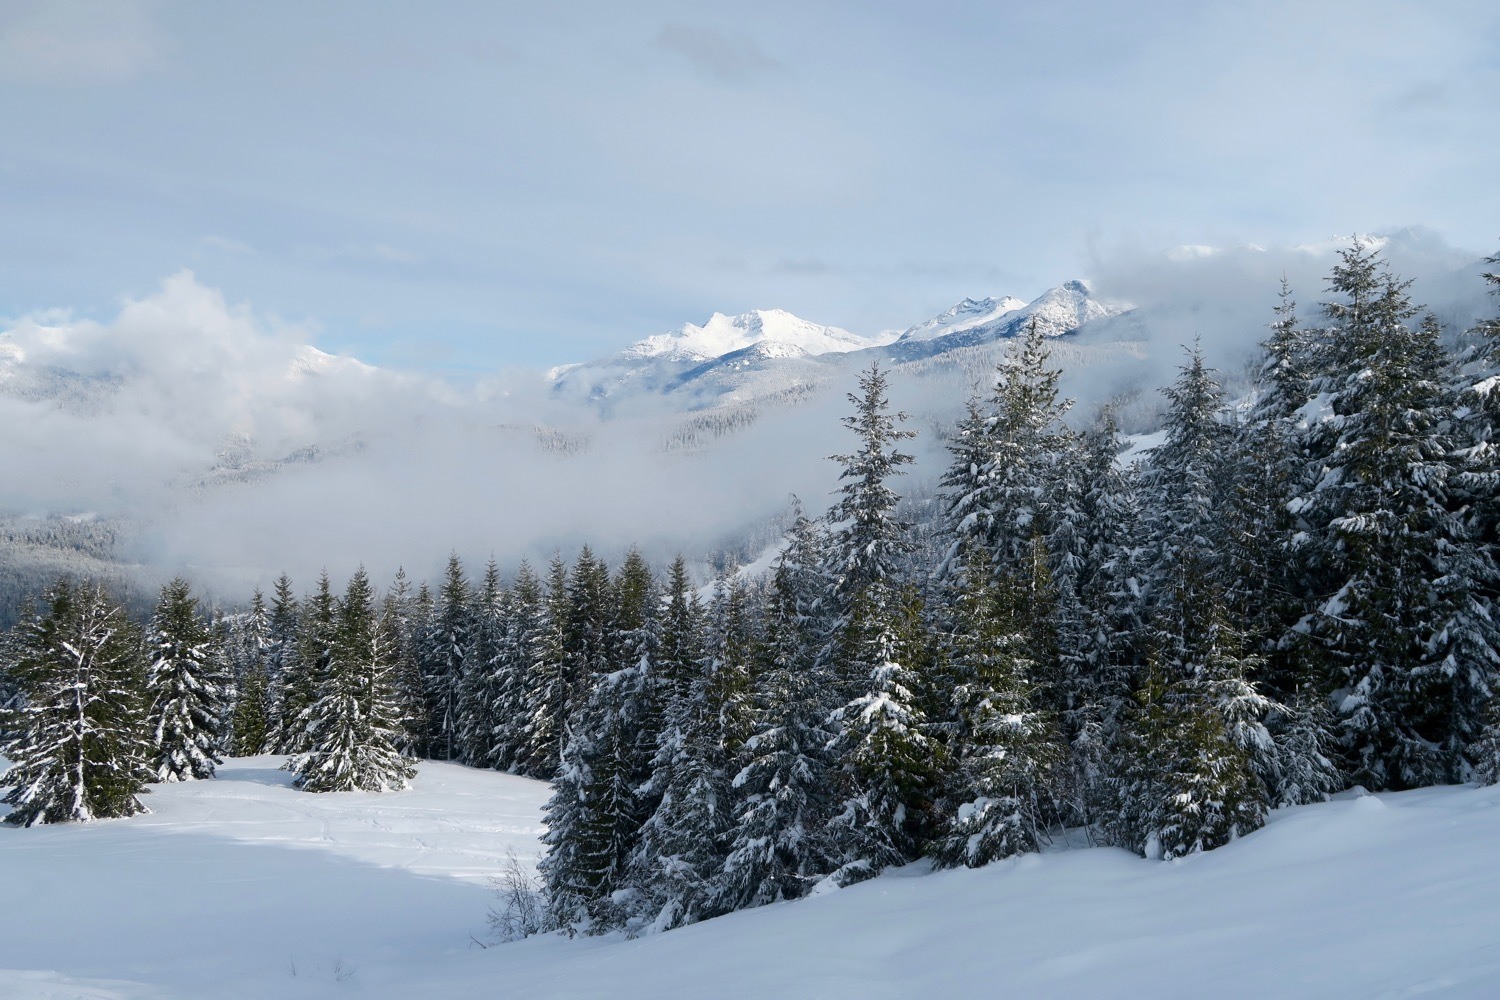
723,335
967,315
1057,311
242,887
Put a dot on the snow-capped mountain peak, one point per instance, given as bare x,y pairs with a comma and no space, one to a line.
723,334
967,315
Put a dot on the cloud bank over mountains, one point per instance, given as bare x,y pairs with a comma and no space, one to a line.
232,448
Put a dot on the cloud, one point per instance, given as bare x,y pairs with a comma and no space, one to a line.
77,43
726,58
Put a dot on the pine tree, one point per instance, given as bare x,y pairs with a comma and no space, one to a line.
1181,785
869,544
550,686
1003,750
778,848
443,657
251,719
353,725
884,754
1399,620
283,661
484,676
525,703
676,864
314,638
78,749
187,687
404,616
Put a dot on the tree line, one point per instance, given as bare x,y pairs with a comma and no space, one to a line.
1289,595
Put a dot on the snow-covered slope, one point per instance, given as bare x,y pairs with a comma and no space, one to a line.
770,351
722,334
688,359
1058,311
241,887
967,315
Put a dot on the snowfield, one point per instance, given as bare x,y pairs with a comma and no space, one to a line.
244,887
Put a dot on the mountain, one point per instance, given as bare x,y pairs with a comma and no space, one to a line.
737,358
1058,311
704,361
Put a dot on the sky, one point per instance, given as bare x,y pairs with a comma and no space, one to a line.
475,186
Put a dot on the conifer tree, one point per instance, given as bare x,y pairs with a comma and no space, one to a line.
303,687
676,864
403,616
484,674
353,725
1181,785
186,685
1399,620
78,749
778,849
527,666
443,656
251,718
550,687
885,756
869,543
1003,750
284,665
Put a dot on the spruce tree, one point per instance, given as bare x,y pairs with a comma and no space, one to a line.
484,675
251,718
443,656
186,684
1399,620
353,725
1003,750
284,664
78,749
885,756
778,848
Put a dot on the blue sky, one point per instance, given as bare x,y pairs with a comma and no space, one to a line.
459,187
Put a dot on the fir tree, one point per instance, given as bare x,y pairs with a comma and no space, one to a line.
1003,751
551,689
778,849
484,675
284,664
443,657
186,687
78,748
251,719
1399,620
869,543
883,751
353,725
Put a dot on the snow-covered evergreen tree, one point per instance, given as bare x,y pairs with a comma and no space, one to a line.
1399,620
551,688
868,543
78,747
443,655
353,725
187,687
778,848
251,717
884,755
1003,749
283,660
484,674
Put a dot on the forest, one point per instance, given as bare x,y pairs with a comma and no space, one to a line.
1287,595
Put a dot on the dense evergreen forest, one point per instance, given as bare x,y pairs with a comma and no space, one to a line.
1291,594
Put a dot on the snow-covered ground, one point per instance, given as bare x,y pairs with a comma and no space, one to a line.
243,887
